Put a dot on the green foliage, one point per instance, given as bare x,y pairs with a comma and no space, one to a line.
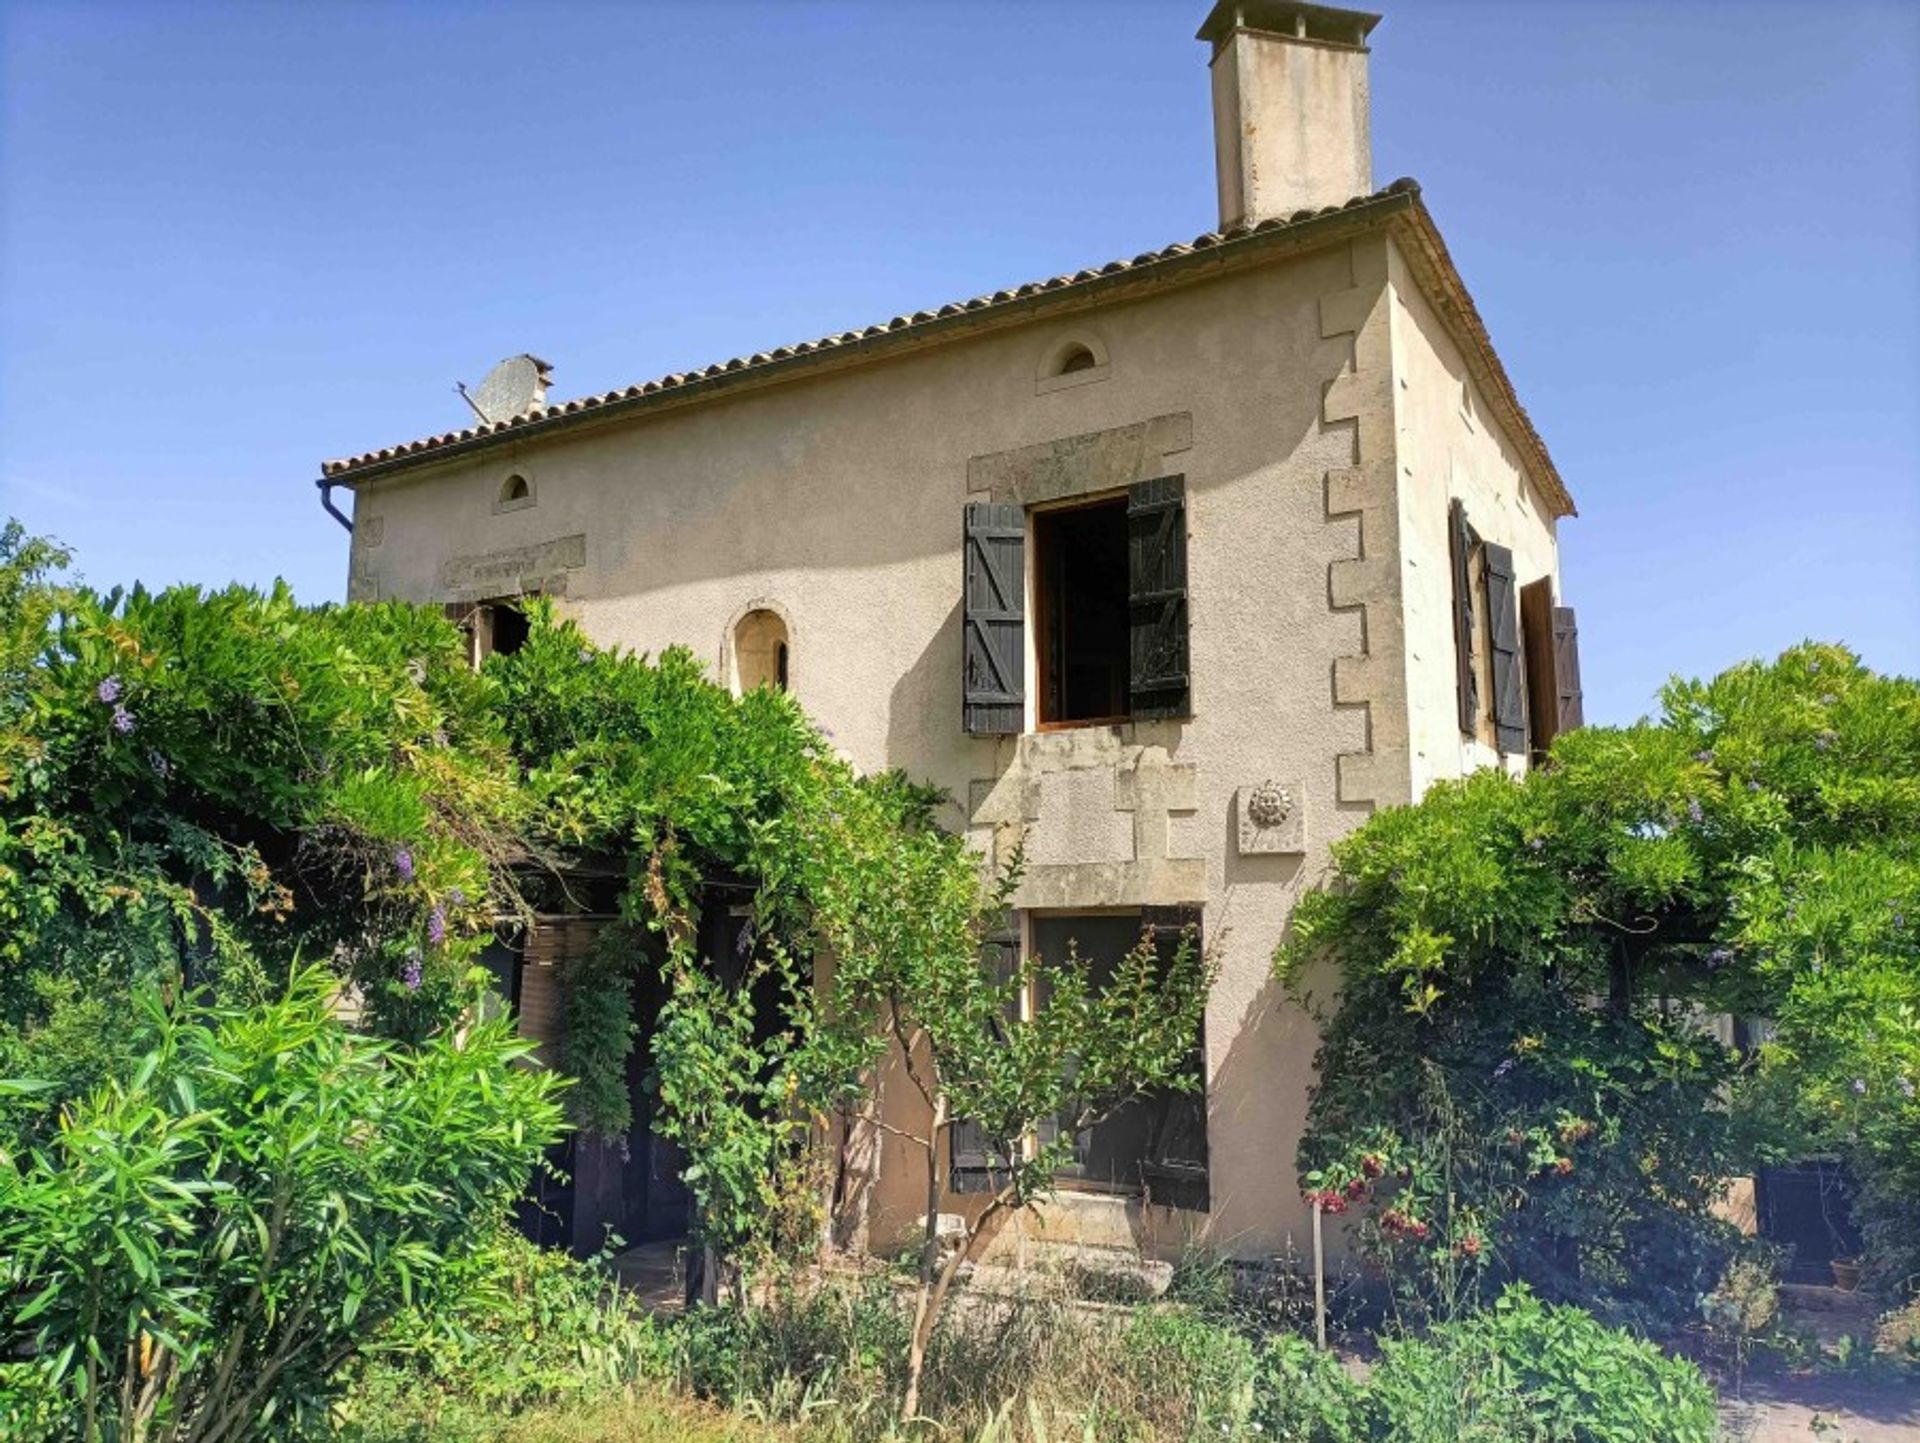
203,1245
213,783
1303,1395
1529,1373
1516,1082
524,1328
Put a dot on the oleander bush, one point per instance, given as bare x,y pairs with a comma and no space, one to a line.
203,1246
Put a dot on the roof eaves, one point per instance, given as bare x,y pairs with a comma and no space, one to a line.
1211,251
1434,269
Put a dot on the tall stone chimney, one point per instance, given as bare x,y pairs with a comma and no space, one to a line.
1290,113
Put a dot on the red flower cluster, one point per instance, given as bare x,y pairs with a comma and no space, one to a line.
1329,1200
1469,1246
1563,1166
1401,1225
1372,1164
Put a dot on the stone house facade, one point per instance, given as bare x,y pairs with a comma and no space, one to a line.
1172,570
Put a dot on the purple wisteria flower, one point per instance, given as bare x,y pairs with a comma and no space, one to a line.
1753,786
1719,957
162,768
1905,1085
108,691
1694,812
410,974
457,897
1704,756
122,721
1859,1087
403,864
1824,741
1504,1068
1536,844
437,926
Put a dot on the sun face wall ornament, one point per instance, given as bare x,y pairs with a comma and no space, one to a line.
1270,818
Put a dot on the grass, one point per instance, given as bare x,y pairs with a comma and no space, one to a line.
642,1418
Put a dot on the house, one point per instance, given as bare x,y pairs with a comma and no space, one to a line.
1175,568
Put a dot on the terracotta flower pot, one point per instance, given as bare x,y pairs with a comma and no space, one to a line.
1846,1273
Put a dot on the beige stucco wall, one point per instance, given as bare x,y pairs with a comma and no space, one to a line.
836,500
1450,447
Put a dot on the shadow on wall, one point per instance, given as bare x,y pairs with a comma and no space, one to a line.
924,730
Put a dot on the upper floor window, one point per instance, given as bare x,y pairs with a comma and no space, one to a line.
1109,634
516,493
1516,654
1071,361
760,652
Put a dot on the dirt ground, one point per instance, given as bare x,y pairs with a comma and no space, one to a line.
1820,1410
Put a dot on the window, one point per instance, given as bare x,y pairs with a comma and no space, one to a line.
516,493
1516,654
760,656
1080,570
1075,358
1110,625
496,627
1071,361
1156,1143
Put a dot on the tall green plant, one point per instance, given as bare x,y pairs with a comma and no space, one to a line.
205,1244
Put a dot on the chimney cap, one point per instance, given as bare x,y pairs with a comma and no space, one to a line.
1317,24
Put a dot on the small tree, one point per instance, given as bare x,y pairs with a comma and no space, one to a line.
909,957
1083,1052
206,1244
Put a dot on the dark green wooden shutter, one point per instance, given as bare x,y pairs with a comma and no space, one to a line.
1461,542
1503,628
995,619
1566,669
1157,596
975,1162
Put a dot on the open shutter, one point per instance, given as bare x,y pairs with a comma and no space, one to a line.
1461,542
1503,617
1157,596
1566,669
975,1162
995,618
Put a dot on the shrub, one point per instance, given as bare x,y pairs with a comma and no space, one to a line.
205,1245
1303,1395
1522,1370
525,1327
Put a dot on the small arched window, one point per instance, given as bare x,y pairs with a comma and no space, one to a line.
1074,358
760,652
1071,360
515,489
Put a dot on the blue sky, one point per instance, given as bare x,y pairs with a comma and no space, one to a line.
236,239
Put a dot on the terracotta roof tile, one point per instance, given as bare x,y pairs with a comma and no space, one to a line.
347,469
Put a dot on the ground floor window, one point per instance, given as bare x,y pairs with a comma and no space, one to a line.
1156,1144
